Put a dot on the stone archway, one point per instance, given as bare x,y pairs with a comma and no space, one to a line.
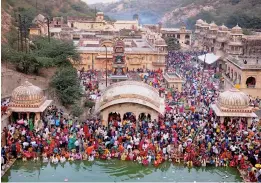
114,116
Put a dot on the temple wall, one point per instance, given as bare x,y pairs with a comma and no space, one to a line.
133,61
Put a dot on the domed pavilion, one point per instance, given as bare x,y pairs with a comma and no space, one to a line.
28,101
233,103
133,97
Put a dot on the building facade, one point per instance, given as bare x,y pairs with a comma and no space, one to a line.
239,55
182,35
145,52
243,73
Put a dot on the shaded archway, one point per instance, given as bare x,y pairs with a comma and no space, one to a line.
251,82
144,117
129,116
114,116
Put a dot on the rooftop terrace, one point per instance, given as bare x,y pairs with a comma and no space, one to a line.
253,63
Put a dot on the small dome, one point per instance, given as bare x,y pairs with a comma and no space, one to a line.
199,22
205,23
223,28
237,30
233,99
27,95
213,26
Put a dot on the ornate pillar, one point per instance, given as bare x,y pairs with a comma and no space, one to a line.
249,122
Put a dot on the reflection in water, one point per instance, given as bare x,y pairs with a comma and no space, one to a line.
115,171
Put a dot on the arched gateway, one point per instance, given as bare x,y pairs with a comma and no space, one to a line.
130,97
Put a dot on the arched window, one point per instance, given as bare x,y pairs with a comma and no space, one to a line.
251,82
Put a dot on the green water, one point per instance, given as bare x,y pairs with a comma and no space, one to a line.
115,171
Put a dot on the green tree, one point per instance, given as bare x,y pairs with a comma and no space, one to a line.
67,85
89,103
172,43
42,54
76,110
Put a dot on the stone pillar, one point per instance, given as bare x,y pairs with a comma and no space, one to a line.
37,116
104,118
179,87
222,119
28,115
137,120
154,116
249,122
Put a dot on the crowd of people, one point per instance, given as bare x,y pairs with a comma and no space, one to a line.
4,106
193,135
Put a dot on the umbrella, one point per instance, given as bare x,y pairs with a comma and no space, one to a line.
162,89
168,108
258,165
20,122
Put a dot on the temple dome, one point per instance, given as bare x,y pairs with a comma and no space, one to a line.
236,30
213,26
233,99
205,24
223,28
27,95
199,22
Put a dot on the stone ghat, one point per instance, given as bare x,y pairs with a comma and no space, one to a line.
7,166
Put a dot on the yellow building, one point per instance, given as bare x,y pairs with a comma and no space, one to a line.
84,23
244,73
182,35
173,80
126,24
239,55
39,26
140,53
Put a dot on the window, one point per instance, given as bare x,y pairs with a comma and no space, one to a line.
178,36
89,66
251,82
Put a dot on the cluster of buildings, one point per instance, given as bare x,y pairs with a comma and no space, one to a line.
145,47
239,54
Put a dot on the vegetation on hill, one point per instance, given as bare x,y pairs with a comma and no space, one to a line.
42,54
245,13
39,54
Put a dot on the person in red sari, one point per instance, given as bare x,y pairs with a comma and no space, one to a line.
252,176
86,130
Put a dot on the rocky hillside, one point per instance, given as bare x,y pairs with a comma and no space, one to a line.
247,13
